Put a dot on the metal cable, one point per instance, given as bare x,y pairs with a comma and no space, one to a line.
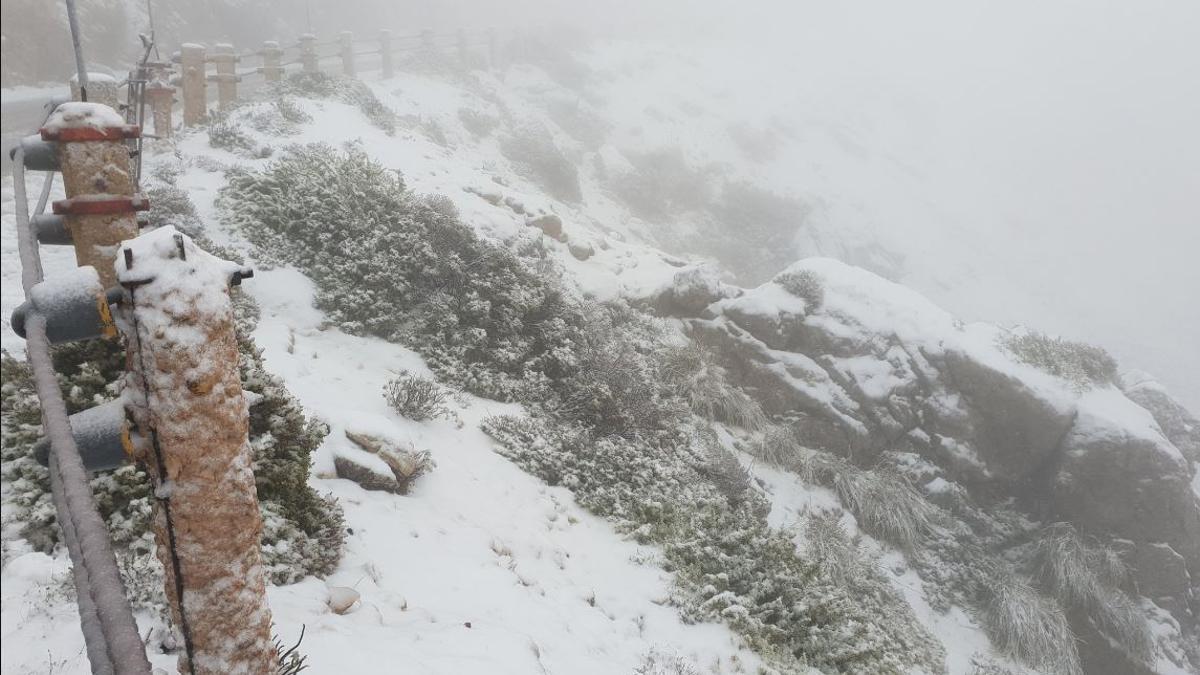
110,628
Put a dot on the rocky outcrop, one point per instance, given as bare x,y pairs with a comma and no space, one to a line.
875,367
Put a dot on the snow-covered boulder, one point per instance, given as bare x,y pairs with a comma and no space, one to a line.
691,291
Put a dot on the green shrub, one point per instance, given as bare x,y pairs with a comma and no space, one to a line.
1081,364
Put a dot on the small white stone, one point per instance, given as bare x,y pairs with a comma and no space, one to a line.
341,599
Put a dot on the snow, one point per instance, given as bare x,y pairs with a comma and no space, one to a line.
77,114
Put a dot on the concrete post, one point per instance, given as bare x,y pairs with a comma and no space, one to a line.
102,88
385,53
162,99
463,57
195,86
185,396
308,53
427,41
225,60
346,40
98,180
272,56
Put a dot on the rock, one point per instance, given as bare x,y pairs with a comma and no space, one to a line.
404,464
1017,429
1181,426
515,205
367,476
341,599
691,291
1162,575
1120,476
581,250
550,225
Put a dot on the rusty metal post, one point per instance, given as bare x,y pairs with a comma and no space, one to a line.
225,60
385,52
463,56
184,393
98,180
101,88
272,56
346,40
308,53
195,86
162,100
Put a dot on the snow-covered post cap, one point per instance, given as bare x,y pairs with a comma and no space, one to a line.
173,261
80,121
184,392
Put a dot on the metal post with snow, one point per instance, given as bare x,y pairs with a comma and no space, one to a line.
184,393
346,40
226,77
98,179
195,87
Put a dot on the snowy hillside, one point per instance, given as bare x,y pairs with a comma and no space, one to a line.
740,464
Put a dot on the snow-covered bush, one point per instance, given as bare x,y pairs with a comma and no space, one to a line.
170,205
227,134
281,117
534,154
1081,364
664,184
885,505
347,90
401,266
417,398
1088,578
659,662
804,284
579,120
479,123
730,565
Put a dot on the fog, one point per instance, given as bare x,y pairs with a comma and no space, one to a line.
1062,137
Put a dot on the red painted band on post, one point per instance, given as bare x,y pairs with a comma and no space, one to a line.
91,206
83,134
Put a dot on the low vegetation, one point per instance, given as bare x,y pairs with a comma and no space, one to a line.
1081,364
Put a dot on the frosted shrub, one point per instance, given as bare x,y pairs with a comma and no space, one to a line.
170,205
803,284
479,123
534,154
664,184
347,90
415,397
729,564
722,468
658,662
401,266
694,372
1081,364
227,134
1088,578
1030,627
281,117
